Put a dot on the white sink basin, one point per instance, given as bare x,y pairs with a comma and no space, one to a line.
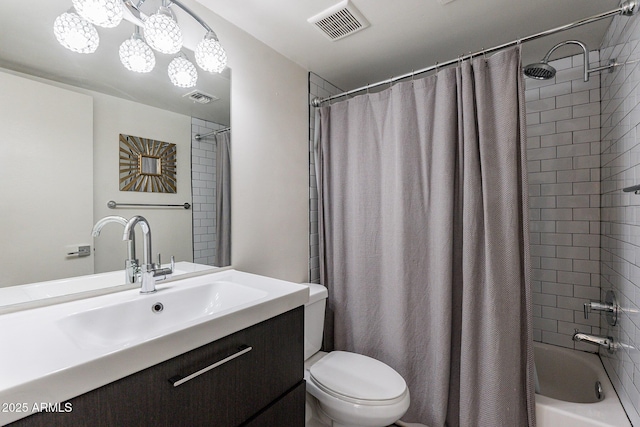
60,351
148,316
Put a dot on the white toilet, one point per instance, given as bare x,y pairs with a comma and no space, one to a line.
346,389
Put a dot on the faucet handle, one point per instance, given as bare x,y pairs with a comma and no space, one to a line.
587,309
163,273
172,265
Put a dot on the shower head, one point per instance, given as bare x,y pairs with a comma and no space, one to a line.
543,71
540,71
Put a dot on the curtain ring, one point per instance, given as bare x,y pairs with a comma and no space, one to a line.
436,68
484,54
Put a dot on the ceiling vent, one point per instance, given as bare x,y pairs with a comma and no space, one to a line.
201,97
339,21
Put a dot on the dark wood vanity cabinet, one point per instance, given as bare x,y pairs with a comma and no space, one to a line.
262,387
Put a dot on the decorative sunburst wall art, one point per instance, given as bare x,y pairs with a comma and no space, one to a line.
147,165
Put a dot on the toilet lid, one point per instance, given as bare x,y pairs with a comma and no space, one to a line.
357,377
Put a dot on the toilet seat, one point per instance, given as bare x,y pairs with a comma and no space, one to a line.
358,379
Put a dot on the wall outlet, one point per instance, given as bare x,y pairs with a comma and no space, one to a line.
78,250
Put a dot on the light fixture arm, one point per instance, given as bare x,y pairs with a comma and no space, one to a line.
192,14
137,13
135,9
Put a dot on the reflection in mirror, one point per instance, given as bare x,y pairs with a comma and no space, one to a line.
147,165
61,114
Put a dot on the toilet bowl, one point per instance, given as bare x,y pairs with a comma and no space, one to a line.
347,389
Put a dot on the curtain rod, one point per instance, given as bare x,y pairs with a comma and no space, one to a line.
198,137
627,8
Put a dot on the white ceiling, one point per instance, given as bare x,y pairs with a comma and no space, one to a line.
404,35
408,35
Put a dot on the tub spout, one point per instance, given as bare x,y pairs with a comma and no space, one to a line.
606,342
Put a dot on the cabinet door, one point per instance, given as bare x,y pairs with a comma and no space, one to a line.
224,396
288,411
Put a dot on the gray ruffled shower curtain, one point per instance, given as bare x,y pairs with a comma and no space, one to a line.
223,199
424,239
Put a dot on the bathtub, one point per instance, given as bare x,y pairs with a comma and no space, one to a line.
568,396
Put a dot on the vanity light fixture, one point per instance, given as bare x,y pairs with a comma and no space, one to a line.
76,33
136,55
162,32
210,54
75,30
182,72
103,13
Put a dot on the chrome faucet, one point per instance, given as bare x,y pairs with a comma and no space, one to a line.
131,264
606,342
148,270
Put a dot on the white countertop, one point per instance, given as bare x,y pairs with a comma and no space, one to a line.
42,363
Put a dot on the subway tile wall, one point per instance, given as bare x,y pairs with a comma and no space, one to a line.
563,153
203,175
620,227
318,87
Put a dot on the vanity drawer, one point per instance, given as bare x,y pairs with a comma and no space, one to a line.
261,364
286,411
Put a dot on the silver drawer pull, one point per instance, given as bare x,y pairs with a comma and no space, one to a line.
179,379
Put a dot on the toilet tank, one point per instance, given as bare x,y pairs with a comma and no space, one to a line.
314,319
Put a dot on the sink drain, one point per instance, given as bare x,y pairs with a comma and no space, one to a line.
157,307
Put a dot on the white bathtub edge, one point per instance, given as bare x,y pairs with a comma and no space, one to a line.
606,413
622,394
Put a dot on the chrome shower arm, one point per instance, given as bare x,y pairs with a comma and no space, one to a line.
585,52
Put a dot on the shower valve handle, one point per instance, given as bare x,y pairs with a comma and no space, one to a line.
587,309
599,306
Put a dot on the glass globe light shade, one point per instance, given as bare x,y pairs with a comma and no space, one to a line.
136,55
104,13
210,54
162,32
75,33
182,72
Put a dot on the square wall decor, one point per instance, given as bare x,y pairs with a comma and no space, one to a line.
147,165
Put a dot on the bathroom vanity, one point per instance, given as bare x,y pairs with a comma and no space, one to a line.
261,387
239,364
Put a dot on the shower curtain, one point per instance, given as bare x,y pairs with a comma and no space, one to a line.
424,239
223,199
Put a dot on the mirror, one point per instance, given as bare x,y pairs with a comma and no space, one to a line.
60,122
148,165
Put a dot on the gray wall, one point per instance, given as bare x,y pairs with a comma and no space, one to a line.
269,174
318,87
